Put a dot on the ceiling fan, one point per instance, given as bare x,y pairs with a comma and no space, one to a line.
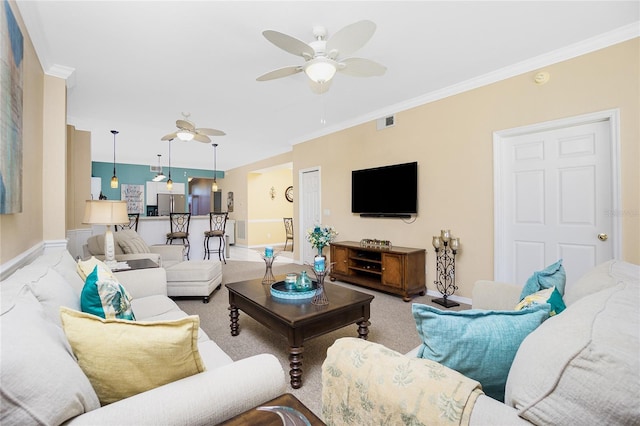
324,57
187,131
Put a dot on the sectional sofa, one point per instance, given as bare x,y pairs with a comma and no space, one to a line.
579,367
43,383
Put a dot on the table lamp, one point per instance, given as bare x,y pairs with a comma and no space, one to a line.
106,212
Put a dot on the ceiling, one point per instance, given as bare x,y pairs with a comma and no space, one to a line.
135,66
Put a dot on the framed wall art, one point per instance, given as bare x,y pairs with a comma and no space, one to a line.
11,75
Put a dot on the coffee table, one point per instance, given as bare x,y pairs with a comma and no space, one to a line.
299,321
266,418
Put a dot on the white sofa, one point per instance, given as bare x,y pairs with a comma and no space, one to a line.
43,384
192,278
581,366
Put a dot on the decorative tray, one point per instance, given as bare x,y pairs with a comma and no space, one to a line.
279,290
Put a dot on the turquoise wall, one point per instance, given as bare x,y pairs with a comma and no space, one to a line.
136,174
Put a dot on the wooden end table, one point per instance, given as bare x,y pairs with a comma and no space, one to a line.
266,418
299,321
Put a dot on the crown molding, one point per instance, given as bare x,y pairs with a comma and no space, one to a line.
583,47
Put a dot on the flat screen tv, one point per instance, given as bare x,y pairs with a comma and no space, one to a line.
388,191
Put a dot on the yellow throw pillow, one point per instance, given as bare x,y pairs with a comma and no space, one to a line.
122,358
85,267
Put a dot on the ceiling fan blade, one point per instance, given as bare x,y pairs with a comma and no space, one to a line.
210,132
201,138
279,73
319,88
351,38
186,125
169,136
360,67
289,44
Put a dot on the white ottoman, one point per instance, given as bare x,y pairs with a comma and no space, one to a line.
194,278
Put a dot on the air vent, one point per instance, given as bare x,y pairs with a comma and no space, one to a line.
385,122
155,169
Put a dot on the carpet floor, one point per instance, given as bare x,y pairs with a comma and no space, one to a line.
391,320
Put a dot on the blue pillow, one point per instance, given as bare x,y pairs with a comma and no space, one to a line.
548,295
103,296
551,276
480,344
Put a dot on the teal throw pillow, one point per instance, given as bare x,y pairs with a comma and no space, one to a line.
548,295
551,276
103,296
481,344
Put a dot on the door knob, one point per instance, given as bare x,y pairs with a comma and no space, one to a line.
603,237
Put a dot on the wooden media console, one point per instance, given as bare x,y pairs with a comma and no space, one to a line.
396,270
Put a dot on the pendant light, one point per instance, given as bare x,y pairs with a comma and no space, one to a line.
160,176
214,185
114,179
170,182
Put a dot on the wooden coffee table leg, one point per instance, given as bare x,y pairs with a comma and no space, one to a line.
363,329
295,362
233,314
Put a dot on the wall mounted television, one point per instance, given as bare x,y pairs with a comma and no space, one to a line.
388,191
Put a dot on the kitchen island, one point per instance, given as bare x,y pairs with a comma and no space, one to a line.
154,229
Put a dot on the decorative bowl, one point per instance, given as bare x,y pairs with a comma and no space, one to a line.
279,291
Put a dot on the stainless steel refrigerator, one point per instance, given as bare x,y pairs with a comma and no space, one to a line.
171,203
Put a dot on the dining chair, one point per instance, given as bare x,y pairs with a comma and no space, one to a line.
288,229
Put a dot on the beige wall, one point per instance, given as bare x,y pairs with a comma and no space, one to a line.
237,181
265,225
78,175
452,140
21,231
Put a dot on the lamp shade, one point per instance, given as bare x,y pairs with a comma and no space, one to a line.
105,212
320,69
185,135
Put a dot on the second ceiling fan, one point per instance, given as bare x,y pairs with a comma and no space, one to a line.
324,57
187,131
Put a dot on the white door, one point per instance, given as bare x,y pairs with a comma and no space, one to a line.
555,192
310,213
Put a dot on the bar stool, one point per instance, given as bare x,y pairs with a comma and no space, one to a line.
179,223
133,223
217,227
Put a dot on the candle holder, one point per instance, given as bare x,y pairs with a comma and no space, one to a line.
268,273
320,298
446,248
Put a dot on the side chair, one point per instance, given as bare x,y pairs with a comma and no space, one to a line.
288,228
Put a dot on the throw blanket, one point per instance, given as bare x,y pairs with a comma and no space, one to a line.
364,383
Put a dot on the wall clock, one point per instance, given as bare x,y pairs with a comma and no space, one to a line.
288,193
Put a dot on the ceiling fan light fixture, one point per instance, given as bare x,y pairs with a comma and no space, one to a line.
320,69
185,135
